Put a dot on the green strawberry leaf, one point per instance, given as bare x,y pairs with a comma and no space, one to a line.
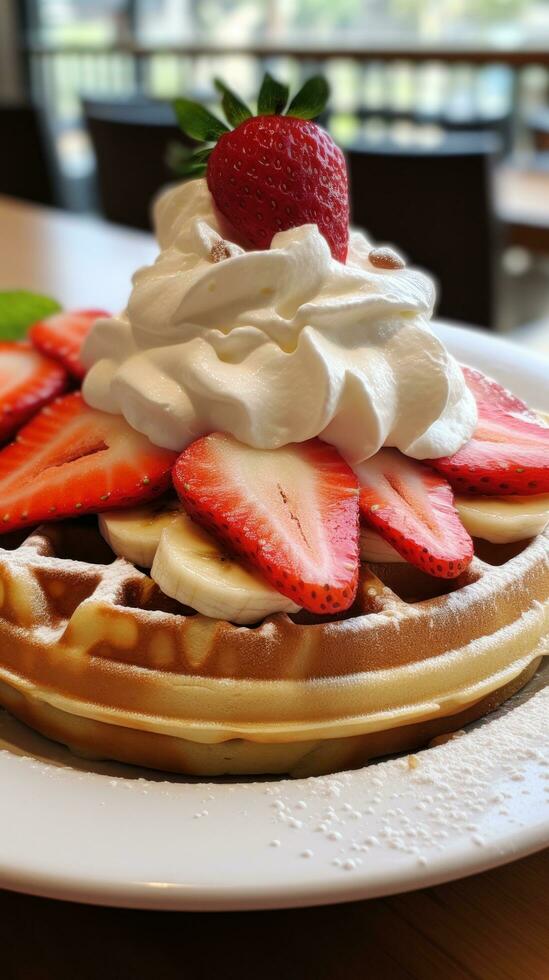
235,110
198,122
311,100
176,156
272,97
202,155
193,169
19,309
183,162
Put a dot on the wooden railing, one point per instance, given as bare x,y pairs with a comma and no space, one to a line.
520,57
456,81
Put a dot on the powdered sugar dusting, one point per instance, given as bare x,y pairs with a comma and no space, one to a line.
453,789
480,789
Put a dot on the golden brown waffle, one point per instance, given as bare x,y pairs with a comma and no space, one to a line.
94,655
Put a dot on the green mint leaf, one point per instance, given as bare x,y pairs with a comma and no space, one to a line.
196,121
311,100
20,309
272,97
235,110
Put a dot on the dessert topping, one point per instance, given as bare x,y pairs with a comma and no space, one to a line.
291,512
193,567
413,509
508,452
272,171
280,341
28,380
61,336
71,459
276,346
384,257
20,308
220,250
503,519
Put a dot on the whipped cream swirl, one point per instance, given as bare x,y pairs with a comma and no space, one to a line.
276,346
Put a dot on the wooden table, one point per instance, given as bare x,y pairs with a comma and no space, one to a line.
81,261
493,926
490,927
522,204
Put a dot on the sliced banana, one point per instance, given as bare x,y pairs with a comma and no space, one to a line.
193,568
135,534
374,548
502,520
188,564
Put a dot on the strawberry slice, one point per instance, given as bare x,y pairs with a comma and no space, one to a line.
72,459
413,509
61,336
28,380
509,450
292,512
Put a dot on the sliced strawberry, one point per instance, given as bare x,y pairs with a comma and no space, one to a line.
61,336
292,512
413,509
509,450
28,380
72,459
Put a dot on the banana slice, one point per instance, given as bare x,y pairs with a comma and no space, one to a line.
500,520
374,548
188,564
193,568
504,519
135,534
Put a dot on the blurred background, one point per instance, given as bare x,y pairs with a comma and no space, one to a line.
442,107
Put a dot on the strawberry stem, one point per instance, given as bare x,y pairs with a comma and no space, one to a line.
200,124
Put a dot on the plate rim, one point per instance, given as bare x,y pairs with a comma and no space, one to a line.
176,897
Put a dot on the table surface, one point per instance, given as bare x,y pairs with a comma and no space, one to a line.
489,926
81,261
522,203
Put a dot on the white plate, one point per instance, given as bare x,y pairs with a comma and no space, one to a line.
114,835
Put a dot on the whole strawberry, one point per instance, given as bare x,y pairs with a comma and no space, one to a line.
271,171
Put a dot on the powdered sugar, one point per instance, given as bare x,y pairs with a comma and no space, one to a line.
478,796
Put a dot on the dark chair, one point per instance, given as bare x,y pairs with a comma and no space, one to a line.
131,141
27,168
435,204
538,124
496,124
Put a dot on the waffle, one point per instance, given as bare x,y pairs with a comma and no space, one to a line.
93,655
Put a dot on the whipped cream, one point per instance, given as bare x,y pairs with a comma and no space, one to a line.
276,346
